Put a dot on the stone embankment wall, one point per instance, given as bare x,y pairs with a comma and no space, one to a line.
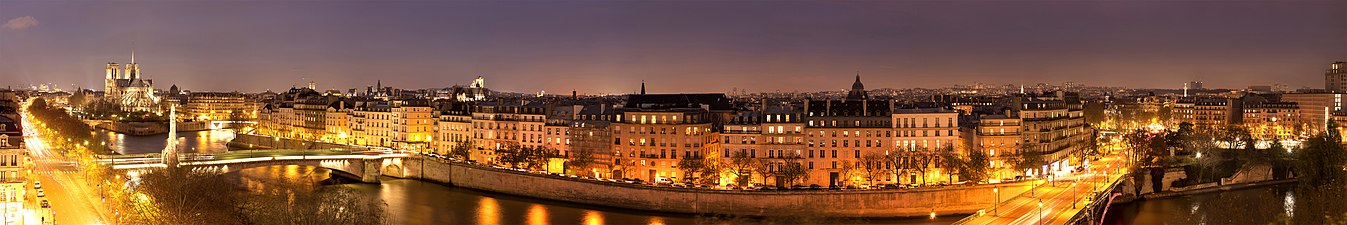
1143,186
876,203
256,141
134,128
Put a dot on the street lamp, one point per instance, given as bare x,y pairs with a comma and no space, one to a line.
1040,211
996,204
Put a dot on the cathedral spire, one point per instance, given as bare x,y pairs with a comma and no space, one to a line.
642,86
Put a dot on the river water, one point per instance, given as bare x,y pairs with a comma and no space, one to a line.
197,141
416,202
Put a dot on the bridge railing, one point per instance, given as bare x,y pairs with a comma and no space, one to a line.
147,160
1098,200
970,218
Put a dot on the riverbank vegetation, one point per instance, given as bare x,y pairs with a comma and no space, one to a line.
184,196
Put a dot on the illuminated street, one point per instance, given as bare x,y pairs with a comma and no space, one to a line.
62,182
1056,202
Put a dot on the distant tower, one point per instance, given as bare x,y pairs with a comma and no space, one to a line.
1336,77
479,82
642,86
313,86
170,153
1185,89
113,72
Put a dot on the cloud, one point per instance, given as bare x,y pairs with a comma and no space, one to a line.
21,23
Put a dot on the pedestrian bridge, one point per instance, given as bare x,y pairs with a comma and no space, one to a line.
366,166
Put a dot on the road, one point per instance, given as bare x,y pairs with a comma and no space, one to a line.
71,202
1054,202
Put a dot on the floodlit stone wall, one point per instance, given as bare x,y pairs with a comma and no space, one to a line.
870,203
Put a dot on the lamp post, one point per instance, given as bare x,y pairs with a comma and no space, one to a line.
996,204
1040,212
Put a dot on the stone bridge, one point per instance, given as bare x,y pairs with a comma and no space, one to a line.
364,166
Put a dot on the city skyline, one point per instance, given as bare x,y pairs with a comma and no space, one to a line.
610,47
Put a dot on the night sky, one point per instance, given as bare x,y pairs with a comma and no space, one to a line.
610,46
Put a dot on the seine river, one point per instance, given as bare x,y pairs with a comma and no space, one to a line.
416,202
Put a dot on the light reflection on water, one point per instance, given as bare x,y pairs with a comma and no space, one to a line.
195,141
1256,205
537,215
415,202
488,212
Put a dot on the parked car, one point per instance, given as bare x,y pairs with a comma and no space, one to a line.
45,204
815,187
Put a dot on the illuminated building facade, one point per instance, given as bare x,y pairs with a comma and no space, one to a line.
216,106
125,87
652,131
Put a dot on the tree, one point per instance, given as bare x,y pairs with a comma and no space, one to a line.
690,166
1028,158
921,162
512,155
741,166
1235,137
975,168
899,165
791,171
953,164
175,196
535,158
766,168
1320,162
462,150
849,171
872,167
710,174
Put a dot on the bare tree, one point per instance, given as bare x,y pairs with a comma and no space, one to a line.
848,171
766,168
182,196
921,162
791,171
899,164
741,166
872,167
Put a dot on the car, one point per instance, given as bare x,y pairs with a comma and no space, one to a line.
41,194
889,186
37,184
815,187
772,188
45,204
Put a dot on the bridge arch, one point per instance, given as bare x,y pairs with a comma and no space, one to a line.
225,169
